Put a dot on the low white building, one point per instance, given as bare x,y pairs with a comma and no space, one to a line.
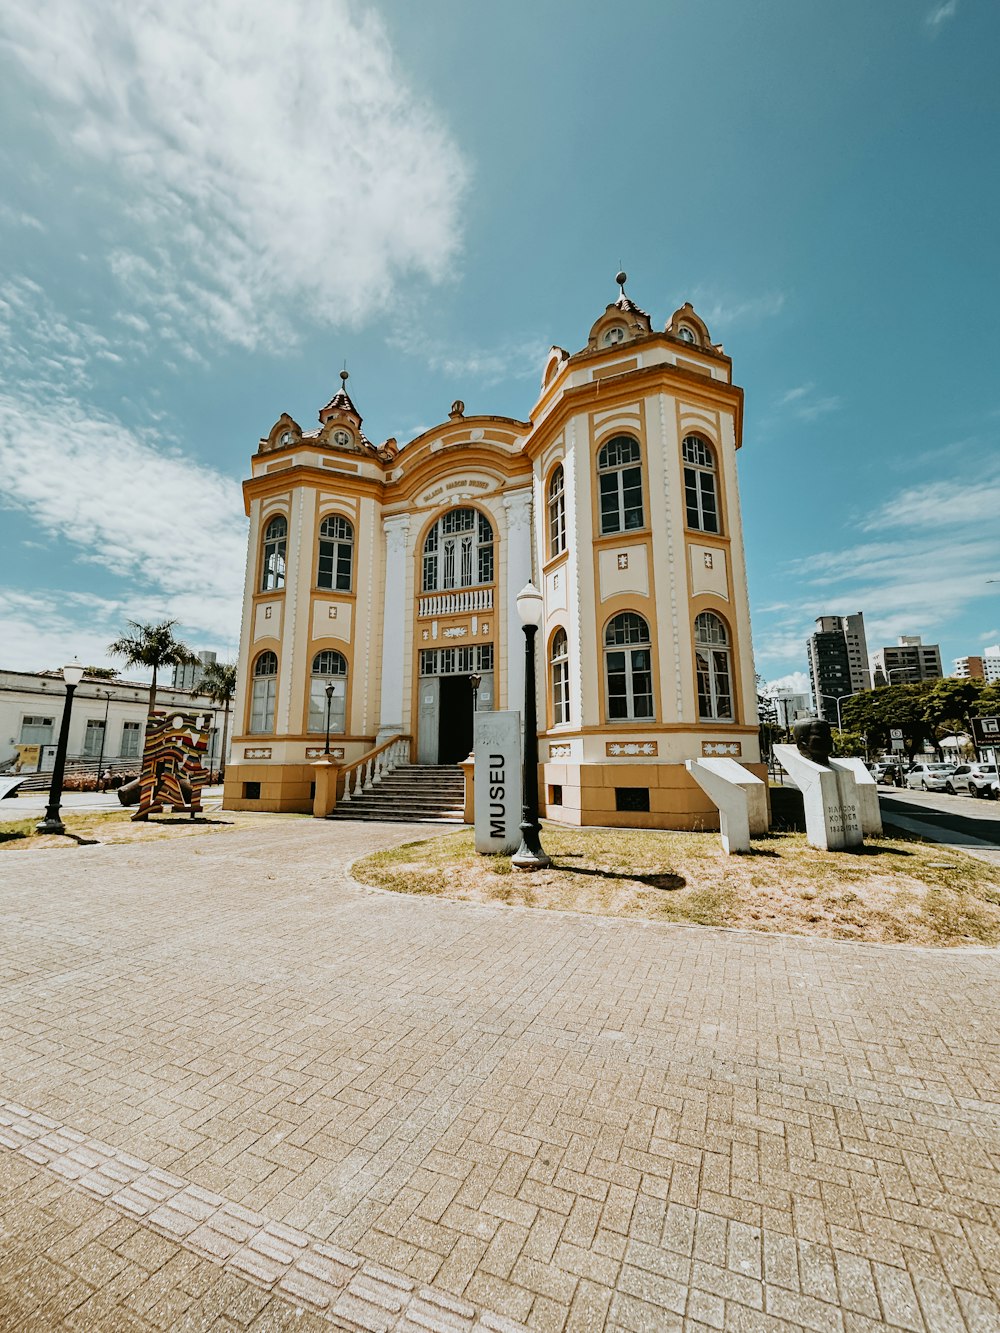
108,722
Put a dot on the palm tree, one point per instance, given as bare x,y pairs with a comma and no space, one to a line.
219,683
152,646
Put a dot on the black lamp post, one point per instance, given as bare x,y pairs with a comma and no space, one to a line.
329,702
72,675
530,855
104,736
475,680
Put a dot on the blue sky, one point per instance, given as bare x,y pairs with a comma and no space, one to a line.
209,206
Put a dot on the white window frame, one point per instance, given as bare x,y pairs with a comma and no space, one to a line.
613,449
713,658
262,696
628,647
274,555
701,481
559,677
328,666
557,511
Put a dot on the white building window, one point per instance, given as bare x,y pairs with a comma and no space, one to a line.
131,734
265,682
619,472
628,668
458,551
328,668
335,566
557,511
273,564
700,497
93,737
36,730
559,669
715,677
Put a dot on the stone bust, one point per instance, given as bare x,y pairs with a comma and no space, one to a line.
814,739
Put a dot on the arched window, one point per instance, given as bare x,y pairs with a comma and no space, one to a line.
275,541
557,511
715,676
265,681
335,568
628,667
699,485
458,552
620,477
559,668
328,668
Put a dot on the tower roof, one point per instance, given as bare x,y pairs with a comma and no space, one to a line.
341,403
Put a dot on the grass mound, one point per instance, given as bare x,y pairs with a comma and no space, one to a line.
893,890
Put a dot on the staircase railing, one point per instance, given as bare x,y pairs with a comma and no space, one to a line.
352,778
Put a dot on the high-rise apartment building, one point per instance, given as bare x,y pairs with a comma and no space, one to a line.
838,661
188,677
986,667
908,661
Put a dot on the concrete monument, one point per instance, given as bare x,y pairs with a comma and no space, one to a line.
740,797
829,791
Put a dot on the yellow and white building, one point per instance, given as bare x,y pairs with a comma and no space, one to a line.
391,574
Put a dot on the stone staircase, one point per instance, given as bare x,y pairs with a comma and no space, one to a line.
432,793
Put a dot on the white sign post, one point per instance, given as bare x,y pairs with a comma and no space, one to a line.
496,746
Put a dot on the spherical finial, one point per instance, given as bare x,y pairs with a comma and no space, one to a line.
621,277
344,377
457,408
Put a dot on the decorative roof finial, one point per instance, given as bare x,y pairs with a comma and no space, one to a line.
344,377
621,277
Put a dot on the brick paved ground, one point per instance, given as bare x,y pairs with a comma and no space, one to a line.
444,1115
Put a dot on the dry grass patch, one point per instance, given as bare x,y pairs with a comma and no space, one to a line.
894,890
115,826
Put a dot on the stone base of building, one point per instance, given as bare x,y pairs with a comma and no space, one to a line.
629,796
613,795
273,788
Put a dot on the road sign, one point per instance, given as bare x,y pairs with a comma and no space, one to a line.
986,730
896,733
897,743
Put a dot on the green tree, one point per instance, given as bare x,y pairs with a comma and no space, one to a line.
219,683
152,646
101,673
848,744
950,703
877,712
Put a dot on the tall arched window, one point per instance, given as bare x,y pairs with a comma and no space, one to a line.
328,668
335,567
265,681
559,670
458,552
715,676
273,565
619,474
557,511
628,667
699,485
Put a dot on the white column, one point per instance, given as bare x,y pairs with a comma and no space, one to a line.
397,556
518,507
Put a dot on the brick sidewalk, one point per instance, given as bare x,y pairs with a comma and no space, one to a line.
568,1121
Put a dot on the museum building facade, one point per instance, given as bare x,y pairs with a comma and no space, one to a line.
381,580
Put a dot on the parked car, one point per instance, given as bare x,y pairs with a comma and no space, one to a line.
930,777
975,779
885,771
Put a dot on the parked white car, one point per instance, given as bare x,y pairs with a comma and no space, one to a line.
930,777
975,779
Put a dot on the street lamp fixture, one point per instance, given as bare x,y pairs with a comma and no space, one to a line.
475,680
530,855
104,736
837,700
329,704
72,675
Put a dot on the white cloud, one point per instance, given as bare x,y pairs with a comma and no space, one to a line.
806,404
952,503
796,682
172,527
271,161
518,358
939,14
722,312
14,217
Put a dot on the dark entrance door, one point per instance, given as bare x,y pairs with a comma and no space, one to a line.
454,720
